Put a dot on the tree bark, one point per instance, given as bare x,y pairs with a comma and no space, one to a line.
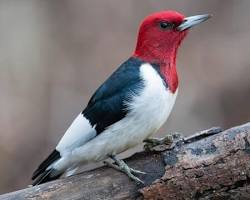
202,166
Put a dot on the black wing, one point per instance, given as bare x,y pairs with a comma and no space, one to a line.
107,104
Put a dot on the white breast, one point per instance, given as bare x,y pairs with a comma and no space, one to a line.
148,113
155,103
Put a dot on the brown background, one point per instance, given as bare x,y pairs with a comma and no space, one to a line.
54,54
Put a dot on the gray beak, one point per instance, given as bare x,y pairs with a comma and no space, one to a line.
189,22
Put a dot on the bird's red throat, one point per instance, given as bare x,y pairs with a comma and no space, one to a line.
166,59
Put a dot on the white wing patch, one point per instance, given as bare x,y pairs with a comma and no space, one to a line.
77,134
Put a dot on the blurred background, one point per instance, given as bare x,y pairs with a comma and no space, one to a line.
54,54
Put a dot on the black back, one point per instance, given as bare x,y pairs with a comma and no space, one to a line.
107,105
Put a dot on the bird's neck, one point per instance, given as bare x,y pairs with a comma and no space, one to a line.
167,62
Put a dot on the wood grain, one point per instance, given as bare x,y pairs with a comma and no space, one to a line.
207,166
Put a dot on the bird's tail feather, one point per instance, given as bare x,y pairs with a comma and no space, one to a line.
47,175
45,172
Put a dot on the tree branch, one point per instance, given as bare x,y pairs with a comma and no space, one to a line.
203,166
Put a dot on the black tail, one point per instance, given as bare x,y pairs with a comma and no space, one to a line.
42,174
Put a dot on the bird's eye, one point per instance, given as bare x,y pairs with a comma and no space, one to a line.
166,25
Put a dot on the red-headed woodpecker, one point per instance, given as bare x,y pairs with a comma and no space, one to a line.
130,106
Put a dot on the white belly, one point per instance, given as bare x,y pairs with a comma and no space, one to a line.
148,112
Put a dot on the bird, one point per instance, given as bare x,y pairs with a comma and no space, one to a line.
130,106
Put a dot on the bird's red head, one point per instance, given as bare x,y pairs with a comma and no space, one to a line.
159,37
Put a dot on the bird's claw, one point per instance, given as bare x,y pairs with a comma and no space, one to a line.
130,172
137,171
123,167
169,140
135,179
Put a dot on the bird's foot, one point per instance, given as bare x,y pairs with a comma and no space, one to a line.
169,140
120,165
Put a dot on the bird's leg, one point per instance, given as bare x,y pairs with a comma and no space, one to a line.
169,140
120,165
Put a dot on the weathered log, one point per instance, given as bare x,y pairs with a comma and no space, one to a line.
203,166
